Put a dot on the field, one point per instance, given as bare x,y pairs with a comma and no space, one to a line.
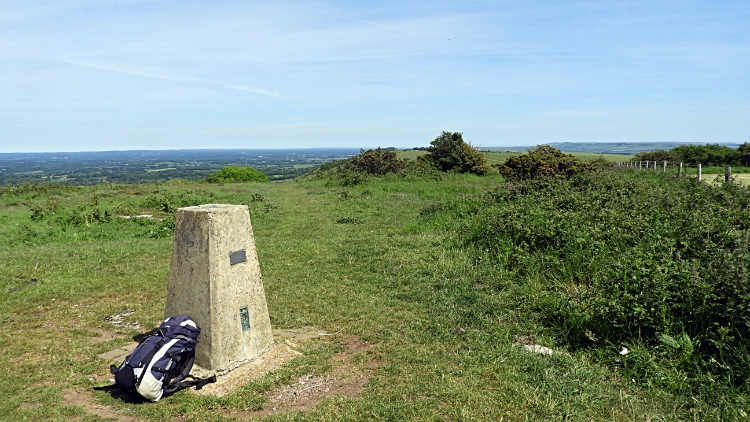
445,279
91,168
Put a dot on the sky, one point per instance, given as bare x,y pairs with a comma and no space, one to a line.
99,75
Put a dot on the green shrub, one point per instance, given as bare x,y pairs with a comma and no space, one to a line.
544,161
655,264
375,161
449,152
232,174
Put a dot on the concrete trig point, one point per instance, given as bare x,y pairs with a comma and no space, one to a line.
214,278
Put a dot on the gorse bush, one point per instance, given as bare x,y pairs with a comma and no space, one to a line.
375,161
449,152
544,161
658,265
237,174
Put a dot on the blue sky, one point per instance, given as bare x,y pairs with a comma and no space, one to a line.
93,75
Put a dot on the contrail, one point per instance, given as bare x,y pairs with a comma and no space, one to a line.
148,74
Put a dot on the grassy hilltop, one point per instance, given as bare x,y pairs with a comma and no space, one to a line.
446,275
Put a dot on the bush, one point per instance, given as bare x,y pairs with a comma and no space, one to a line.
657,264
544,161
450,152
375,161
237,174
420,169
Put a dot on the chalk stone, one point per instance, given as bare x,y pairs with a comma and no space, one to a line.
205,285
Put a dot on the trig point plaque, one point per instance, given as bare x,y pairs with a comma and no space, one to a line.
214,278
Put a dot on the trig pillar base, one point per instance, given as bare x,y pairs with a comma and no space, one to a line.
214,277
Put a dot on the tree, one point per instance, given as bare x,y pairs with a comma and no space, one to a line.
744,153
451,153
708,154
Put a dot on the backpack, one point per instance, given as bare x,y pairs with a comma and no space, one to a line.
161,361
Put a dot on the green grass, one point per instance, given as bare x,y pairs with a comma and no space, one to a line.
443,320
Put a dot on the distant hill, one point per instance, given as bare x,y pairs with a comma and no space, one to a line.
626,148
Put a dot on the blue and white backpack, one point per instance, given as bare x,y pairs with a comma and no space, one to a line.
159,364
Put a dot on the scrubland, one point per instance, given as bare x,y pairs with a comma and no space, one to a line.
637,281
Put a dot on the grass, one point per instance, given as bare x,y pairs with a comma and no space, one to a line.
445,324
740,173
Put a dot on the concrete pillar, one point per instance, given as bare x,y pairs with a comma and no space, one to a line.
214,277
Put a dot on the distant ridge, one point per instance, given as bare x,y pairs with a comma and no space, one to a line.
626,148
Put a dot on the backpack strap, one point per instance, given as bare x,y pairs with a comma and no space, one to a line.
178,383
186,364
200,383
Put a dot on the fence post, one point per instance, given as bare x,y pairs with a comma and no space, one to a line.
654,166
699,172
664,167
679,171
728,174
640,165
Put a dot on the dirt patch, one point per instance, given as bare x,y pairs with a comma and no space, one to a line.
273,359
84,400
345,379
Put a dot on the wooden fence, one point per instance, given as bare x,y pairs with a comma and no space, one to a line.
656,165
